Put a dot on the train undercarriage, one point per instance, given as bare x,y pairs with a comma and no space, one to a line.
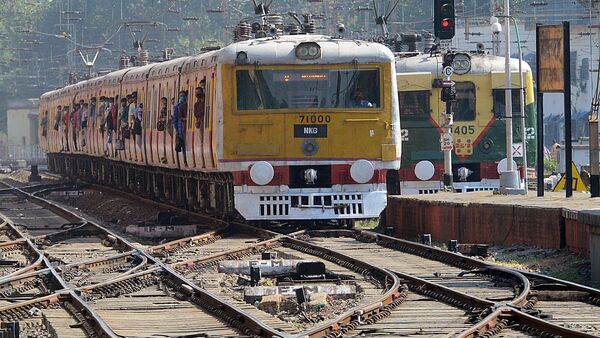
209,193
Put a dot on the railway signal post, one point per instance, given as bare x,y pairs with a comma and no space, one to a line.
444,28
448,95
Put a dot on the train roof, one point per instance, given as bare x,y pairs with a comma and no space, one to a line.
281,50
269,50
480,64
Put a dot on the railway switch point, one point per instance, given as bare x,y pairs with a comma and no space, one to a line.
426,239
453,245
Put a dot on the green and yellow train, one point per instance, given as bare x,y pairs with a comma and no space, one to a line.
479,124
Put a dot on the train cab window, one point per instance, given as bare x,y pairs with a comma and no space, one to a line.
415,104
464,107
499,105
308,88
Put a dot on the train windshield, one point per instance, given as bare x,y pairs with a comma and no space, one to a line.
308,88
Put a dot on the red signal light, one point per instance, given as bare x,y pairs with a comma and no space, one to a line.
445,23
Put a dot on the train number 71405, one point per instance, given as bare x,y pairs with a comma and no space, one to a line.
464,130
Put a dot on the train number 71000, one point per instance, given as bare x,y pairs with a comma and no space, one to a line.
315,118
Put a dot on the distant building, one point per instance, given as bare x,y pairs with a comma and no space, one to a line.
21,141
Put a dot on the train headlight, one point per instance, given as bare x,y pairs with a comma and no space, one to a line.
262,173
241,58
362,171
308,51
424,170
310,147
461,63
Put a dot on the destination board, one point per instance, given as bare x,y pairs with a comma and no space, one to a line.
551,61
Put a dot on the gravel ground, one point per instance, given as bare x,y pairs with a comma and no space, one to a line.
552,262
115,213
20,178
110,209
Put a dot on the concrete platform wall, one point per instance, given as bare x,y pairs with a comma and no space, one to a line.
577,234
500,224
475,223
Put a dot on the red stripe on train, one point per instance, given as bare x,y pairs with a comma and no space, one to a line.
340,174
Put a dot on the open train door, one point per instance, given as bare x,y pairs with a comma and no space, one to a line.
208,148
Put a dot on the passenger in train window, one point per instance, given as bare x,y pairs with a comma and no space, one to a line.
199,106
44,124
162,117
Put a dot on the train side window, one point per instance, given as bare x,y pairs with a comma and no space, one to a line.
464,107
415,104
498,95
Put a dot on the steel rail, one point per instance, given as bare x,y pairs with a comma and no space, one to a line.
477,266
197,240
346,321
100,263
221,308
503,316
471,265
85,312
23,282
359,315
22,242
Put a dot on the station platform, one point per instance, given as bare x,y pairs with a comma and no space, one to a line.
552,221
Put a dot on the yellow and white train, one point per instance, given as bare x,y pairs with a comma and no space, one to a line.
293,127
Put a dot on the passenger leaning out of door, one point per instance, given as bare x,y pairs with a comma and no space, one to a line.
179,120
101,116
111,117
44,124
66,119
84,124
93,115
132,99
57,118
137,124
162,117
123,128
74,123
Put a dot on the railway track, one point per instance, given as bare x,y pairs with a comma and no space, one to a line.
164,287
405,289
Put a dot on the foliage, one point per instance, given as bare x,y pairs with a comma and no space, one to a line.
40,40
550,165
